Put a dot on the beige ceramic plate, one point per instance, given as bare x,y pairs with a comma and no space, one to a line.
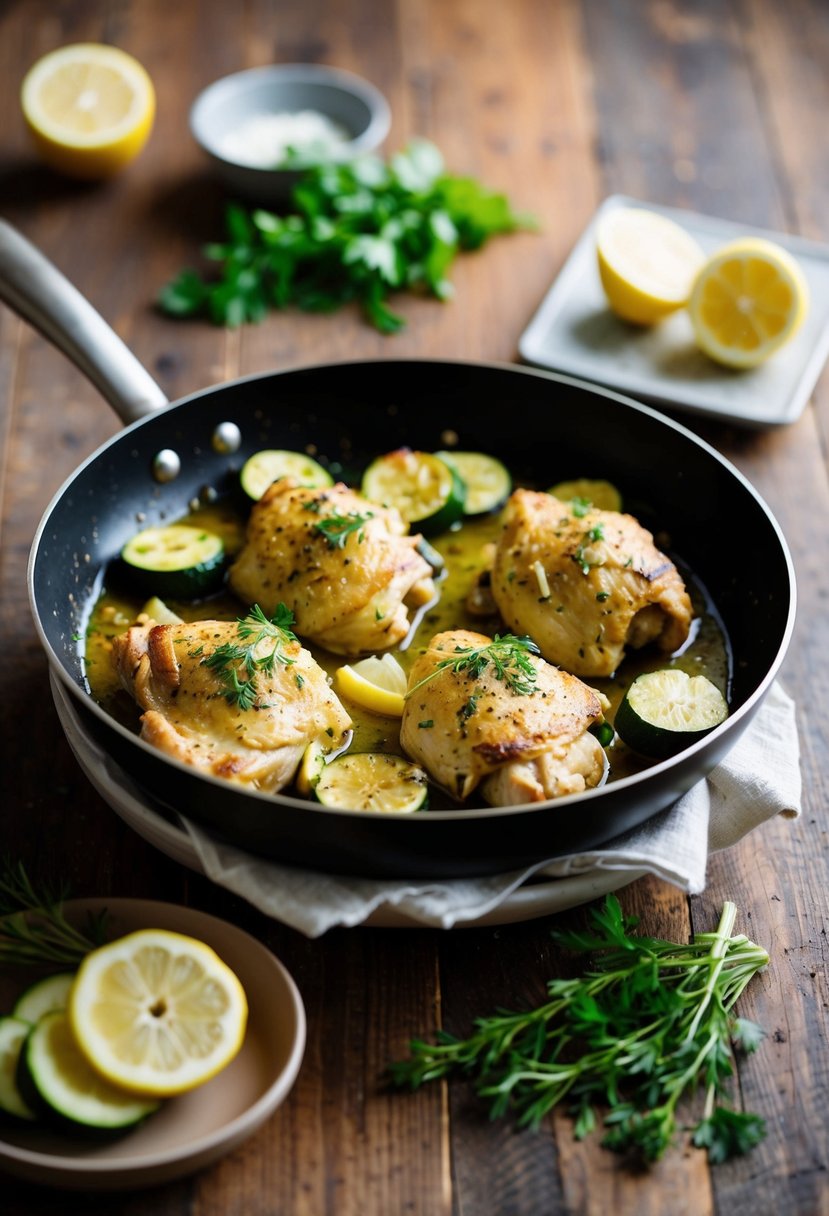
195,1129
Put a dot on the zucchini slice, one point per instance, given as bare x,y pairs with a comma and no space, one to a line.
13,1034
44,996
176,562
263,468
372,781
54,1076
664,712
598,493
426,491
488,484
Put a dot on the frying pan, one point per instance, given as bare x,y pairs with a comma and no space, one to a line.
545,427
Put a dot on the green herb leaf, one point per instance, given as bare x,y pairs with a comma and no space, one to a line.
33,928
337,528
237,664
508,655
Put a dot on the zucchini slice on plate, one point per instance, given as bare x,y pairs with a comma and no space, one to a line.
372,781
265,467
488,483
13,1034
664,712
53,1076
44,996
176,562
427,492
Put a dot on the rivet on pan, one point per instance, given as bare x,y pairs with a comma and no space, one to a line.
227,437
166,465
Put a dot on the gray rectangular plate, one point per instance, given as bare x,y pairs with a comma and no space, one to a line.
574,331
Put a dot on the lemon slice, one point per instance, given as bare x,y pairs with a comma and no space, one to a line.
647,264
373,781
378,684
750,298
89,108
157,1013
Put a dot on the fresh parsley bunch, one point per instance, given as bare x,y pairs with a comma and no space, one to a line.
649,1022
360,231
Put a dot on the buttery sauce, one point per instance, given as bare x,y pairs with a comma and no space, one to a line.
465,555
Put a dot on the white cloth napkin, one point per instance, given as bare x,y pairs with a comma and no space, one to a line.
759,778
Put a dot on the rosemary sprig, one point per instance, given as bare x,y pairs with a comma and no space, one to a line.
33,928
508,654
337,528
230,658
649,1022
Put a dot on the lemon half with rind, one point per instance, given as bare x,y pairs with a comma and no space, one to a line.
89,108
647,263
157,1013
749,299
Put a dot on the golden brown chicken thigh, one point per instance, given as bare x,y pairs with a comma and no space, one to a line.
585,584
197,710
490,713
344,566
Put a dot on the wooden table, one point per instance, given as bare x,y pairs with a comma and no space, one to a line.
717,107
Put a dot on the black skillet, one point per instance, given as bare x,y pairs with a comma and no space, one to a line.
545,427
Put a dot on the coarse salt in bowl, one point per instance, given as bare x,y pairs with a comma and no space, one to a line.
261,127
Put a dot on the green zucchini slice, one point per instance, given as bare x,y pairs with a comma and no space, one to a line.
664,712
427,492
13,1034
488,483
44,996
265,467
54,1076
372,781
176,562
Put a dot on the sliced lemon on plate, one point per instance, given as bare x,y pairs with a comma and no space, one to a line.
157,1012
376,683
647,263
89,108
749,299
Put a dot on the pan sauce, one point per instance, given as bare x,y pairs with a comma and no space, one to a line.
707,651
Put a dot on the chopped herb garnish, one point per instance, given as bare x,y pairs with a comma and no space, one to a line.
228,659
580,507
596,532
601,596
466,711
337,528
427,725
509,655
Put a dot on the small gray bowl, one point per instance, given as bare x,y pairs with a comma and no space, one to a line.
224,106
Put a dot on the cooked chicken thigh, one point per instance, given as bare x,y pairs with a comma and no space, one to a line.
343,565
183,677
501,718
585,584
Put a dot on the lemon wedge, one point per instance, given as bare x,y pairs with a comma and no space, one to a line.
89,108
157,1013
647,264
378,684
749,298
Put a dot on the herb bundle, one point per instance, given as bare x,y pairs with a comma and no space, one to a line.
33,928
360,230
227,659
648,1023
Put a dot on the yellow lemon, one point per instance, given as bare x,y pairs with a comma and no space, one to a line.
378,684
647,263
89,108
157,1013
749,298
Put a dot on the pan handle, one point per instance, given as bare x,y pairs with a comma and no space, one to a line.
39,292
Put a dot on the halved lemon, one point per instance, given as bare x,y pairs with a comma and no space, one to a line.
89,108
157,1013
647,263
749,298
376,683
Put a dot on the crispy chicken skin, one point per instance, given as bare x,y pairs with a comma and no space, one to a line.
584,587
350,595
188,716
475,730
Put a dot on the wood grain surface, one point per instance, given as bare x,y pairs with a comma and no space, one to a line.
717,105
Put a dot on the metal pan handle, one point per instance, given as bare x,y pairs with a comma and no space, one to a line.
38,292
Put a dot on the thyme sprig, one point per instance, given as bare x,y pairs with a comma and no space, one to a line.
648,1023
33,928
337,528
508,654
232,658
